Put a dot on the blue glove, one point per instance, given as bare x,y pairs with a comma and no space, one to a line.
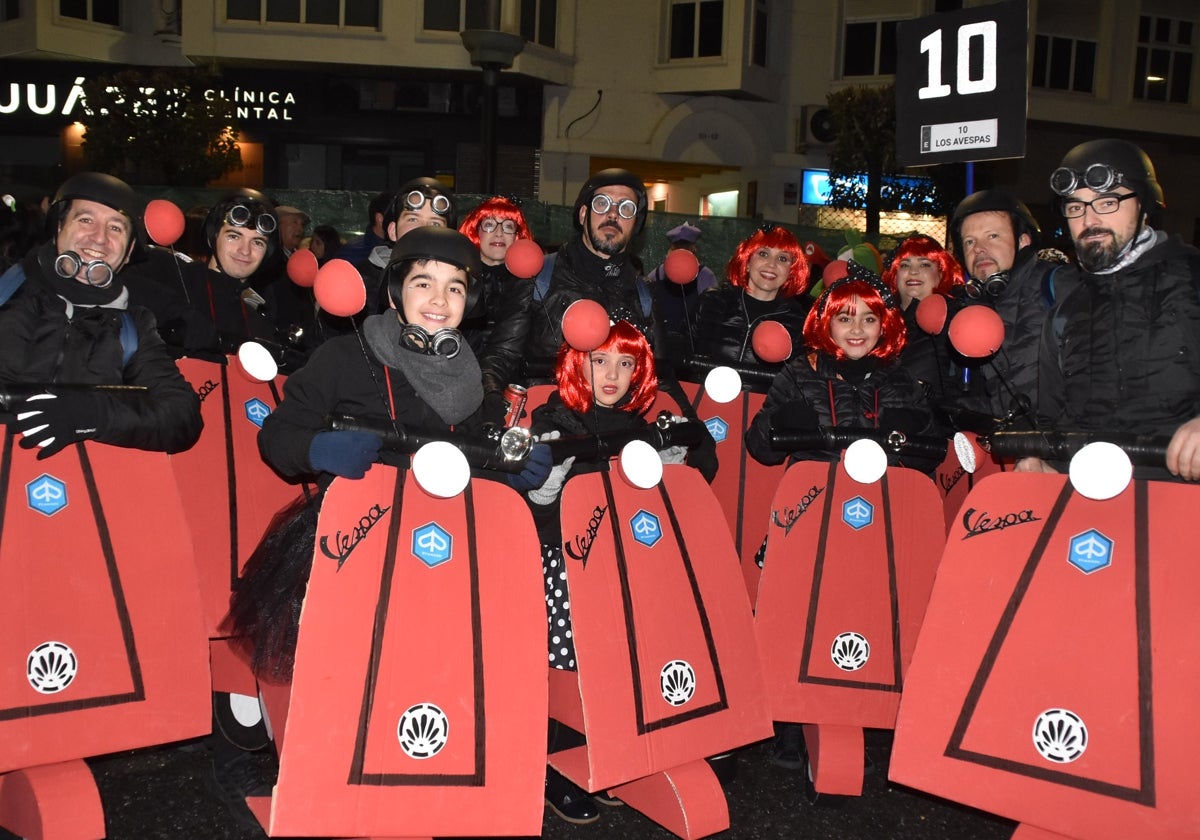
344,453
537,469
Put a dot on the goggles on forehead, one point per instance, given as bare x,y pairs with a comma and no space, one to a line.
626,208
416,199
1099,177
507,226
239,215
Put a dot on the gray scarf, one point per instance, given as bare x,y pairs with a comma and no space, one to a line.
451,387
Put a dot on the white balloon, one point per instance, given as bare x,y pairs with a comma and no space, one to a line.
641,465
257,361
965,452
865,461
723,384
441,469
1100,471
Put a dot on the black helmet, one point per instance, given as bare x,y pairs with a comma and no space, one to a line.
433,243
612,178
258,213
1102,164
105,189
414,194
990,200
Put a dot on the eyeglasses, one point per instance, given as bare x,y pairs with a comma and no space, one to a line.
416,199
1099,177
1103,205
626,208
507,226
239,215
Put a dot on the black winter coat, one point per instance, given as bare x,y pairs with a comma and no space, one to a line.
726,318
496,323
41,344
810,391
950,381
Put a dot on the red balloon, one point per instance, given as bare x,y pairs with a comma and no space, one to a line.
834,272
164,222
585,325
681,266
771,342
976,332
339,289
302,267
524,259
931,314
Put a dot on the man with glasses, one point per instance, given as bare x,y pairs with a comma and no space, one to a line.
996,240
1120,354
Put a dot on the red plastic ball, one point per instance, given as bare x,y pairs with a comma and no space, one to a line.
585,325
302,267
681,266
931,314
164,222
977,332
834,272
339,289
771,342
524,259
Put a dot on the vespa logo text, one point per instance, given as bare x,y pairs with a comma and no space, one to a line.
581,547
788,517
207,388
976,523
346,543
948,480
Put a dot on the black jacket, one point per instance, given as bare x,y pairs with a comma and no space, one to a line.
811,392
726,318
496,323
41,344
950,380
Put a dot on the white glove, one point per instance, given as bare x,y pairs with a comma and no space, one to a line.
548,492
546,437
673,455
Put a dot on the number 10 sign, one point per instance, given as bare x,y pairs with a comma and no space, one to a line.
960,85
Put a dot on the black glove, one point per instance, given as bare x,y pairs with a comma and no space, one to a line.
795,416
536,471
493,407
910,421
345,453
54,421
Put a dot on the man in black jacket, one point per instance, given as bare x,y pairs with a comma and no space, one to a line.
66,322
1120,353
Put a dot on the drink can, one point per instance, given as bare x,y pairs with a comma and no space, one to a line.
514,404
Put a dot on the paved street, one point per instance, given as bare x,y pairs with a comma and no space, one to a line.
167,794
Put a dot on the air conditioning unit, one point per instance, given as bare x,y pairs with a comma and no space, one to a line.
814,127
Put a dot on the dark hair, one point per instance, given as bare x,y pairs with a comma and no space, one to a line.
330,237
21,228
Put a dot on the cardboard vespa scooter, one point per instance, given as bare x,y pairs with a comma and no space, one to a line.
1055,672
101,628
852,550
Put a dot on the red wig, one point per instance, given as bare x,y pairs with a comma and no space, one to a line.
838,298
920,245
625,339
798,279
498,208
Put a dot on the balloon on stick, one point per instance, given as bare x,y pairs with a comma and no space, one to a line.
256,362
585,325
302,267
771,342
977,332
339,289
164,222
931,314
681,266
524,259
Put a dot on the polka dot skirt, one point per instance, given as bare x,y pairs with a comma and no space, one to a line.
558,609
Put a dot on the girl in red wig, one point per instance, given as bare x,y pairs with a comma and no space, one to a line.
767,279
850,377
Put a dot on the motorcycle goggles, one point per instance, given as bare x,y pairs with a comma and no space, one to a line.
416,199
626,208
1099,177
239,215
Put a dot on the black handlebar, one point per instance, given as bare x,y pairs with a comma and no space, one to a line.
829,437
1143,450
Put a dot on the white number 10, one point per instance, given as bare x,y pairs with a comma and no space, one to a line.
931,44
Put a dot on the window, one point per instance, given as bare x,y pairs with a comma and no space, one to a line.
758,35
107,12
10,9
1163,68
454,15
869,48
326,12
539,22
1064,63
697,28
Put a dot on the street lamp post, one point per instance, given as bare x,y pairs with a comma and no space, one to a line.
493,51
